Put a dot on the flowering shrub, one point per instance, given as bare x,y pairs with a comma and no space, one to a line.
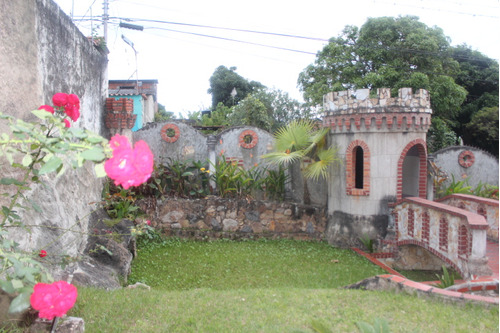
40,148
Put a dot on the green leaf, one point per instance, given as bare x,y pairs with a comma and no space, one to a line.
7,286
95,154
20,303
99,170
52,165
27,159
10,181
42,114
17,284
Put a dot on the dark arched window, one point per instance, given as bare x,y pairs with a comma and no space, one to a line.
359,167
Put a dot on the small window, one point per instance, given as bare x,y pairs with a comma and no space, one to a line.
359,167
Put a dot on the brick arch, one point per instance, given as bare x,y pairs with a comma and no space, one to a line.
422,176
351,168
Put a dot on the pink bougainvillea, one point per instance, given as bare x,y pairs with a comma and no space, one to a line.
129,166
53,299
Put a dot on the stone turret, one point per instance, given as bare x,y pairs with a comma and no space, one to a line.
408,111
381,141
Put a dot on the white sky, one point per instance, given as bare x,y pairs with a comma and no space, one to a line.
183,63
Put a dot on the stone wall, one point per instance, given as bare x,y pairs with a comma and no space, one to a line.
228,218
467,162
42,52
488,208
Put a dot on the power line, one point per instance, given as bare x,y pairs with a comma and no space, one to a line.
222,28
233,40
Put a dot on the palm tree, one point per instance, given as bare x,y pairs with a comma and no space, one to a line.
301,140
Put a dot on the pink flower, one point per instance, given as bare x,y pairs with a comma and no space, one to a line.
129,167
148,222
54,299
119,142
42,253
67,123
47,108
60,99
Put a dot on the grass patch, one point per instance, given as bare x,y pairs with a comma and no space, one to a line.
271,310
262,286
183,264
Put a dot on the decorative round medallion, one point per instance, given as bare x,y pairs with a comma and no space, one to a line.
248,139
170,133
466,158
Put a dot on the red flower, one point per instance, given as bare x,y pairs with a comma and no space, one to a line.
129,167
54,299
67,123
70,103
42,253
47,108
60,99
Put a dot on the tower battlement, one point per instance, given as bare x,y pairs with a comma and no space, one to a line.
359,101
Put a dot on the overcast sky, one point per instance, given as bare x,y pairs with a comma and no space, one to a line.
183,56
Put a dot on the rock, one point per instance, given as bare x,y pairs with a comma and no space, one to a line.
252,216
139,285
70,325
229,225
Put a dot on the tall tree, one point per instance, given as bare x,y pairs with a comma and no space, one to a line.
478,74
387,52
224,81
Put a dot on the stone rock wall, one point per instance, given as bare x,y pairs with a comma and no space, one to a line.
227,218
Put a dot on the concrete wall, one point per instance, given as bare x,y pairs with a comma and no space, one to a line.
43,53
484,169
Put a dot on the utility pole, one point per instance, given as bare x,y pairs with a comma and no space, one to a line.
105,18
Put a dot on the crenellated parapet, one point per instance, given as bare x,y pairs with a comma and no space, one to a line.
355,110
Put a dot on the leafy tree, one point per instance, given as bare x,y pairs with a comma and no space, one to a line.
250,111
281,108
478,74
387,52
162,114
484,129
218,117
440,135
222,83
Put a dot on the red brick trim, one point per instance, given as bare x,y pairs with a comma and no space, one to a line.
422,177
165,129
474,221
253,142
466,158
351,169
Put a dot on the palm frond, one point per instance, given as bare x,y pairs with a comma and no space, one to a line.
319,169
283,158
295,136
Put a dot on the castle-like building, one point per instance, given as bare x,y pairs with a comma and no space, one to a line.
381,140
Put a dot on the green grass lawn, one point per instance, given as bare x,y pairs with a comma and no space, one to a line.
262,286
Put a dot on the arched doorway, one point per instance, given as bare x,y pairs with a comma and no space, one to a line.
412,170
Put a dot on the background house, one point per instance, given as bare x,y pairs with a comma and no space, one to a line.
143,93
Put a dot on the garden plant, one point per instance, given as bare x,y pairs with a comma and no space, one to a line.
47,147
